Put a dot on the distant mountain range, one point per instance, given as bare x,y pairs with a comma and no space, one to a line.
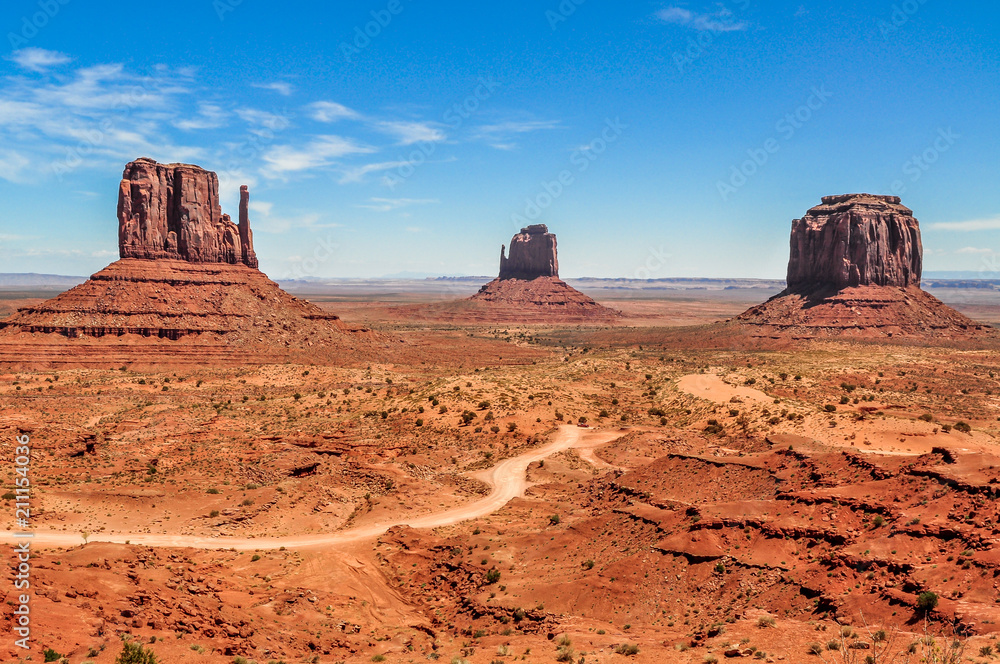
36,280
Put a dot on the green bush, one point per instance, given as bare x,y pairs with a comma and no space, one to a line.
830,408
963,427
51,655
627,649
927,601
134,653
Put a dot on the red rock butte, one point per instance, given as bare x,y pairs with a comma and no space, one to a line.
529,289
854,270
186,272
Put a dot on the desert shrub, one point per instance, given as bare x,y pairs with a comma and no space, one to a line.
483,405
844,401
830,408
963,427
9,496
213,491
927,601
213,514
419,422
554,520
443,409
378,658
134,653
627,649
656,412
878,521
815,649
51,655
588,564
927,417
493,576
603,413
255,558
946,428
495,429
512,427
765,621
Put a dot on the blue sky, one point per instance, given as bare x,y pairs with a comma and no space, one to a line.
656,139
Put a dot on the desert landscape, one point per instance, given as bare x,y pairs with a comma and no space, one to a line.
523,475
730,392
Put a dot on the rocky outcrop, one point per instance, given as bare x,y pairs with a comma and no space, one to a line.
529,288
172,211
854,271
532,255
855,240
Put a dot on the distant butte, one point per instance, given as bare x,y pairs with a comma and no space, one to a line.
528,288
854,270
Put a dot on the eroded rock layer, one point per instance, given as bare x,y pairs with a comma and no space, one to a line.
544,299
170,299
172,211
855,240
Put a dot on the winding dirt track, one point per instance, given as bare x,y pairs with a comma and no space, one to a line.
507,479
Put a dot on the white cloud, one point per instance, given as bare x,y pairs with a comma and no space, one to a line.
500,135
13,166
319,153
990,224
210,116
389,204
281,87
973,250
263,119
358,174
261,207
718,21
38,59
409,133
329,111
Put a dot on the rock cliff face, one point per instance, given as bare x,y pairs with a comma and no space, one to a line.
855,240
172,211
532,255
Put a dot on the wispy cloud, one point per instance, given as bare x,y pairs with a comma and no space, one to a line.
281,87
408,133
390,204
321,152
210,116
38,60
358,174
330,111
974,250
990,224
503,135
718,21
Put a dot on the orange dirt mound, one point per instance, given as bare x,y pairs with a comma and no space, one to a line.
539,300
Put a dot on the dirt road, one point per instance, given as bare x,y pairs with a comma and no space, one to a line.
507,480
